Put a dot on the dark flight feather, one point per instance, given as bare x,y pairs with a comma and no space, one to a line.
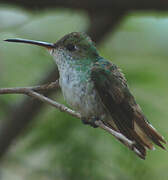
111,86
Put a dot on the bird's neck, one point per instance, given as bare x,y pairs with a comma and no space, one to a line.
79,68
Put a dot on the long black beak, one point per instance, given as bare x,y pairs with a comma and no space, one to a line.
37,43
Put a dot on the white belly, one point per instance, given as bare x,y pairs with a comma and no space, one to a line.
80,95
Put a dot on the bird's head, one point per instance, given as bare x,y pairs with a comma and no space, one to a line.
75,48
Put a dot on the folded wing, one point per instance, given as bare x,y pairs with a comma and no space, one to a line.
126,114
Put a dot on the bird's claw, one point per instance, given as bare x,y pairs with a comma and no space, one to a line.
91,122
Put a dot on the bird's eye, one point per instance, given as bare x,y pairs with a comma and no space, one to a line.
71,47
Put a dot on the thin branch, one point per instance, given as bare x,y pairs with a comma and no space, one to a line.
23,90
49,101
116,134
30,91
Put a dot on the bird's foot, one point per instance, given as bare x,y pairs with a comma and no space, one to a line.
90,122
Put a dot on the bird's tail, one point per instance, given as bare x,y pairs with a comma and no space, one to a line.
148,134
144,135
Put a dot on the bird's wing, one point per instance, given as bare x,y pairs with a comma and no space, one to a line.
126,114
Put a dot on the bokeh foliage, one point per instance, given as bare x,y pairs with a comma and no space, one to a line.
57,146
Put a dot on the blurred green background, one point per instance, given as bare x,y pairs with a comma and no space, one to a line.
59,147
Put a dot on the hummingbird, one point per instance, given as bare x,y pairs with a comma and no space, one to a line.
98,90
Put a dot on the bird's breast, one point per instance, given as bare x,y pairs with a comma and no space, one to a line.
79,92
